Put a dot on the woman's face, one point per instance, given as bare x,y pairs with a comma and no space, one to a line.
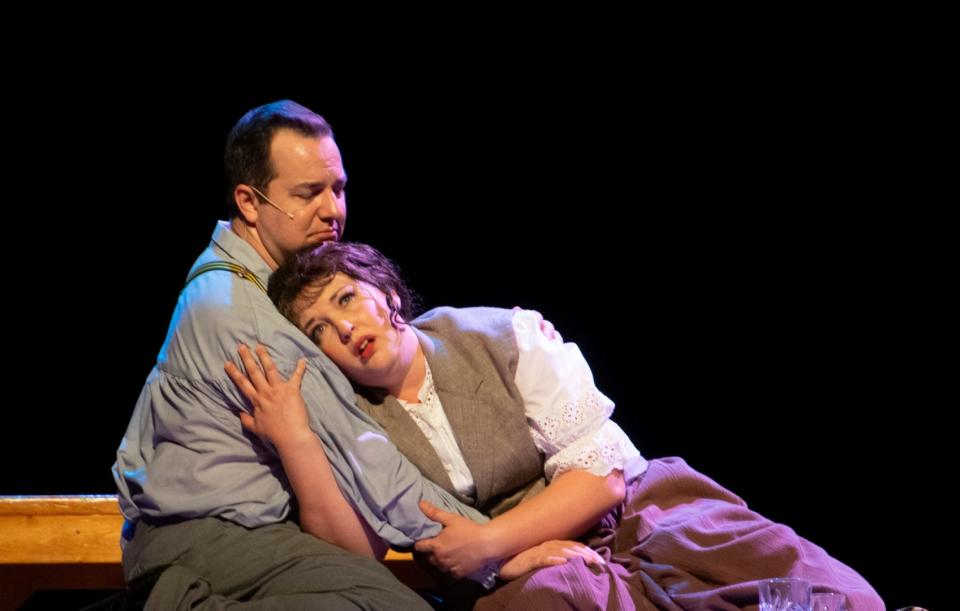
350,322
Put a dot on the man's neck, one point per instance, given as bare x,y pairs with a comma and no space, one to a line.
249,234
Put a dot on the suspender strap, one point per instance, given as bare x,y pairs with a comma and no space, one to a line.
236,268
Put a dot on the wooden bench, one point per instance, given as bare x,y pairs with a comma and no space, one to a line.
73,543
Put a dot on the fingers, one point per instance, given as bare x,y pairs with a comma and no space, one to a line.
248,421
251,366
530,560
546,327
427,508
434,513
425,546
573,549
549,553
548,330
241,380
297,377
269,367
589,556
268,376
580,550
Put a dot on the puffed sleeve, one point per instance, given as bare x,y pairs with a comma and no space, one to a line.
569,418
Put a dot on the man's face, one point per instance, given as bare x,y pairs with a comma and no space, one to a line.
309,184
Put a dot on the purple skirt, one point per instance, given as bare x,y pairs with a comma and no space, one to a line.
681,541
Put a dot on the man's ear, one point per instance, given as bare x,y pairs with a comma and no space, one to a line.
246,203
396,299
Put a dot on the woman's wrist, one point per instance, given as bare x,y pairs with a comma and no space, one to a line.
492,546
295,441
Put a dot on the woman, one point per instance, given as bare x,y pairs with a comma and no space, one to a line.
489,407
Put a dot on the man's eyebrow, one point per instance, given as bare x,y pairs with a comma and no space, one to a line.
320,185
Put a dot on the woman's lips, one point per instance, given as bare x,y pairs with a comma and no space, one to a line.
367,350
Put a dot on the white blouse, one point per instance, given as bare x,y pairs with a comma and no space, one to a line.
569,418
432,420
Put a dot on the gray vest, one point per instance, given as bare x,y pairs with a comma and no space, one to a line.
472,354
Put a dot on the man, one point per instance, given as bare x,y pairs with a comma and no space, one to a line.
208,506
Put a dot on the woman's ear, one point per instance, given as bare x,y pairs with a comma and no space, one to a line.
396,319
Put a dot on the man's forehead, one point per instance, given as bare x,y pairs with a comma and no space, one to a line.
309,170
291,142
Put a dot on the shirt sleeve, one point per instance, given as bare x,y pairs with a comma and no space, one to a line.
569,418
383,485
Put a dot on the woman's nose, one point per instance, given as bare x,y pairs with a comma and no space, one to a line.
345,328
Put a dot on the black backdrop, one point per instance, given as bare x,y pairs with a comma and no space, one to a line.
746,296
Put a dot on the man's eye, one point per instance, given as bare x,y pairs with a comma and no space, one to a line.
317,332
345,299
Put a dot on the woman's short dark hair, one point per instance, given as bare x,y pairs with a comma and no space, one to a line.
301,278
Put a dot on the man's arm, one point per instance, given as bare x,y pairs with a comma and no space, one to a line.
324,512
388,488
380,483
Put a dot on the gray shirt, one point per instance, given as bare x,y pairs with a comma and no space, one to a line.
185,454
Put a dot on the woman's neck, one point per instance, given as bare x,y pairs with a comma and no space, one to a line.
409,386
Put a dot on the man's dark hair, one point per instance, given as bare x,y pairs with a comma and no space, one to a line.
247,155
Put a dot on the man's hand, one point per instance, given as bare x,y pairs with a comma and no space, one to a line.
278,413
546,327
461,549
548,553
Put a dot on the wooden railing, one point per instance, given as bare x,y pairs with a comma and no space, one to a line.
73,543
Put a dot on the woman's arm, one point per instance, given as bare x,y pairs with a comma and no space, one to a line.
279,415
324,512
572,503
567,508
586,456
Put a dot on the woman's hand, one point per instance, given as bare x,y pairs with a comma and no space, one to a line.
460,549
548,553
278,413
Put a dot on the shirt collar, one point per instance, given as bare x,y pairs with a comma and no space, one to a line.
240,250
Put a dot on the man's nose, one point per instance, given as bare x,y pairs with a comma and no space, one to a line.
329,205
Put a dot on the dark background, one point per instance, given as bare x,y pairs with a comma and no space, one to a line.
752,281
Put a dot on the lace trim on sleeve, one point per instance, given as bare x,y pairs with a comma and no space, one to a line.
599,453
